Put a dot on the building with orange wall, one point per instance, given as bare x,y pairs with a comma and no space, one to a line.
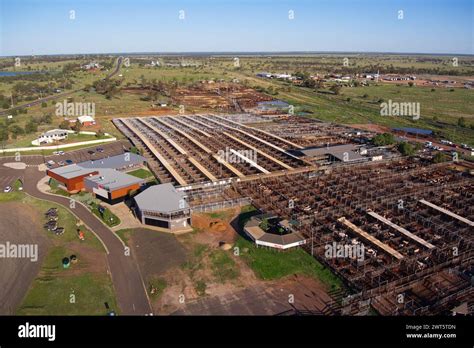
102,177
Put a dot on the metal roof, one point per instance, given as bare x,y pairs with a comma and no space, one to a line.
344,153
258,234
72,171
162,198
420,131
111,179
124,160
127,159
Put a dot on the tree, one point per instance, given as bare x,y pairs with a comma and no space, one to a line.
31,126
3,132
383,139
16,130
461,122
406,149
77,127
64,124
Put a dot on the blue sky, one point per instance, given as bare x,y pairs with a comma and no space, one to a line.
119,26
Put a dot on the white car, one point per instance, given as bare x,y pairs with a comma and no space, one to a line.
51,162
7,189
56,153
61,152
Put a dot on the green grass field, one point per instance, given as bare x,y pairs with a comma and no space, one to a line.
141,173
58,292
440,109
269,264
50,292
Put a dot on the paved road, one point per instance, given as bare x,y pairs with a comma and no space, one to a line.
128,283
60,95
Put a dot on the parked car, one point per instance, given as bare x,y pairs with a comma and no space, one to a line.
51,162
56,153
90,152
61,152
8,189
69,161
99,149
62,163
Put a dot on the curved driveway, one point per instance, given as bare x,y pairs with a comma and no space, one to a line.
127,281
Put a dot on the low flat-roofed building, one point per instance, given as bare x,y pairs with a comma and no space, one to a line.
282,241
51,136
106,172
343,153
123,162
414,131
163,206
71,176
86,120
111,185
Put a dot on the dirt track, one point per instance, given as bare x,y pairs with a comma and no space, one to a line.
19,226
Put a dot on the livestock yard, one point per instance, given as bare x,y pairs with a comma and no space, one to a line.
413,219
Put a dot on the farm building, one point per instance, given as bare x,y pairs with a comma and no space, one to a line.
111,185
414,131
279,235
51,136
86,121
343,153
163,206
105,177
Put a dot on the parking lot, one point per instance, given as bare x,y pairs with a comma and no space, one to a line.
90,153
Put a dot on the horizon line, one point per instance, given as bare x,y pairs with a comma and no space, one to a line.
224,53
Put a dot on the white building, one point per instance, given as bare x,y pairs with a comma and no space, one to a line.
50,136
86,120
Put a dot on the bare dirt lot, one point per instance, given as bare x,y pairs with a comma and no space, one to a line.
156,252
210,280
19,226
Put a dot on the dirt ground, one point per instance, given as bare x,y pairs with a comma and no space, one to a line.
370,127
263,298
19,226
156,252
382,129
89,260
242,295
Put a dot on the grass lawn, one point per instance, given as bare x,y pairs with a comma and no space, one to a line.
223,266
51,292
269,264
109,218
141,173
